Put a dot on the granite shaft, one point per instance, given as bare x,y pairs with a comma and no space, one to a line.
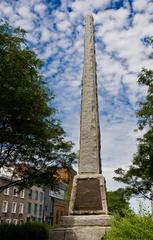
89,161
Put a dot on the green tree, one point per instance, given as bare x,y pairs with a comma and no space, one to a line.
130,227
32,141
139,176
118,202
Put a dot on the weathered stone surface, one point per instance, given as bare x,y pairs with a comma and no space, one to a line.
79,233
89,122
91,227
86,220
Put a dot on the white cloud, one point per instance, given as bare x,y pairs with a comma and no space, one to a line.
40,8
118,146
63,25
24,10
87,6
46,35
111,20
23,24
5,9
140,5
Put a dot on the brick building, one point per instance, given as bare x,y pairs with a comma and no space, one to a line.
18,207
12,204
36,204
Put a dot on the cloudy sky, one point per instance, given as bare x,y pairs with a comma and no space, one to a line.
122,27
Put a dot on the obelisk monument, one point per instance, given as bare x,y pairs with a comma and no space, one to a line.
89,120
88,217
88,193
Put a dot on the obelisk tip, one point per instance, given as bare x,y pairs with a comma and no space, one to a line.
89,16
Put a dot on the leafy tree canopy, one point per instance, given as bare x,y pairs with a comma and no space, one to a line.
32,141
139,176
118,202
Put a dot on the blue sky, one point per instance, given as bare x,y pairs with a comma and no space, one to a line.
56,32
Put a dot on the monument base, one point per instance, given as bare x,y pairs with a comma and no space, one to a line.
88,195
87,227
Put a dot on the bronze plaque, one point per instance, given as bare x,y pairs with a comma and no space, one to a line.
88,195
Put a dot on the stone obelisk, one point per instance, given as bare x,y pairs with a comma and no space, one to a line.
88,217
88,193
89,120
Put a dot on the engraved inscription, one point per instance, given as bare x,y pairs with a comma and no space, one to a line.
88,195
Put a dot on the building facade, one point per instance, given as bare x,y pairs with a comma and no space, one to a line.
56,202
21,206
12,204
55,205
36,204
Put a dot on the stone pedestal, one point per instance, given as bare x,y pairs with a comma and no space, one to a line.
85,227
88,219
88,195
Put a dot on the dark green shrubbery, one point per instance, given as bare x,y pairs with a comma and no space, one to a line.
25,231
131,227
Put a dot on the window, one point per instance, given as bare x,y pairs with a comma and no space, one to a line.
61,214
15,192
15,221
40,210
50,193
30,193
35,209
22,194
28,219
21,208
8,221
45,208
6,191
57,216
5,206
57,194
36,195
34,219
14,204
29,207
41,196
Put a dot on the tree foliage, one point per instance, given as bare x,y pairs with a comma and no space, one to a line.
118,202
139,176
32,141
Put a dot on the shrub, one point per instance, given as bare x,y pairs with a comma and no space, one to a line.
25,231
131,227
34,231
4,231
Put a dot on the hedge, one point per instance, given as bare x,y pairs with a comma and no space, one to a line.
25,231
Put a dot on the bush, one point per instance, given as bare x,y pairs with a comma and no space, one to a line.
131,227
25,231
